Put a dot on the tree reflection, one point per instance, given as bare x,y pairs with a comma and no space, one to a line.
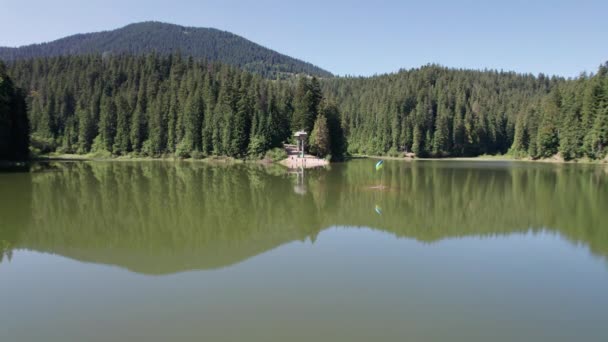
164,217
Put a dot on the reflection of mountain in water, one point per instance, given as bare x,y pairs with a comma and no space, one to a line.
158,217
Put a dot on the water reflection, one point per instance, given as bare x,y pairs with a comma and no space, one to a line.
164,217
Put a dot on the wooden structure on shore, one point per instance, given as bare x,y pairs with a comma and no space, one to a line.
301,139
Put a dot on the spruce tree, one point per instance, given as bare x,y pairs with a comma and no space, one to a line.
520,139
547,137
570,133
14,127
337,140
107,122
138,120
442,136
122,143
319,138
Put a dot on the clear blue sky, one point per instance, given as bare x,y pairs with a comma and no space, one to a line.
356,37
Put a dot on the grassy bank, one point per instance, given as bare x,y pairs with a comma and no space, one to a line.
96,157
555,159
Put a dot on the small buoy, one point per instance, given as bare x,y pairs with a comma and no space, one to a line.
378,209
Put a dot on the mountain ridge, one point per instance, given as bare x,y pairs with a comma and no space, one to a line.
164,38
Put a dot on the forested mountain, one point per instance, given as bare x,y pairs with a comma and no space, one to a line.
14,129
147,37
154,105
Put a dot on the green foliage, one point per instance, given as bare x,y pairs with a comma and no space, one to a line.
42,145
548,135
182,150
337,139
257,146
152,106
599,135
441,139
14,125
393,152
436,111
171,103
99,148
307,99
570,133
276,154
197,155
319,138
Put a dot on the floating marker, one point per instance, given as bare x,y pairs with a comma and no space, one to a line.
378,209
379,165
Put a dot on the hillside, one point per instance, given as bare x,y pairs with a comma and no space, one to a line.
142,38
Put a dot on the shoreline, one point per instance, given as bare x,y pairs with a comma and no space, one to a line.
79,157
285,162
489,158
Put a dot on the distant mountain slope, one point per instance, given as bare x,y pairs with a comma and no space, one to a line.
140,38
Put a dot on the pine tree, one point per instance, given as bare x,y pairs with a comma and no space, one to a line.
547,138
592,97
209,118
418,142
157,142
242,120
319,138
193,119
86,130
442,135
570,133
107,122
172,122
14,126
122,143
520,139
301,106
600,133
337,140
138,120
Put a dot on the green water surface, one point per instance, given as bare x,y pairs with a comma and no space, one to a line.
418,251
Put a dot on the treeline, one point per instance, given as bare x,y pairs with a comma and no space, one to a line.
572,120
152,106
435,111
438,112
156,105
14,128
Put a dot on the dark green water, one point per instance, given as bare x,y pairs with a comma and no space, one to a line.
163,251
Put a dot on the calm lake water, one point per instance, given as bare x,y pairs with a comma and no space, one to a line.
442,251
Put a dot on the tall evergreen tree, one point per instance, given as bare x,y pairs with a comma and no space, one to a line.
14,126
138,120
319,138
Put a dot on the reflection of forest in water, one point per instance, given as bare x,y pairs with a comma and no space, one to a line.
163,217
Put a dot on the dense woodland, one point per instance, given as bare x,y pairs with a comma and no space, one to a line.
14,129
162,38
158,105
436,111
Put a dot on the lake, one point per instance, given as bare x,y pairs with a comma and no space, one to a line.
418,251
